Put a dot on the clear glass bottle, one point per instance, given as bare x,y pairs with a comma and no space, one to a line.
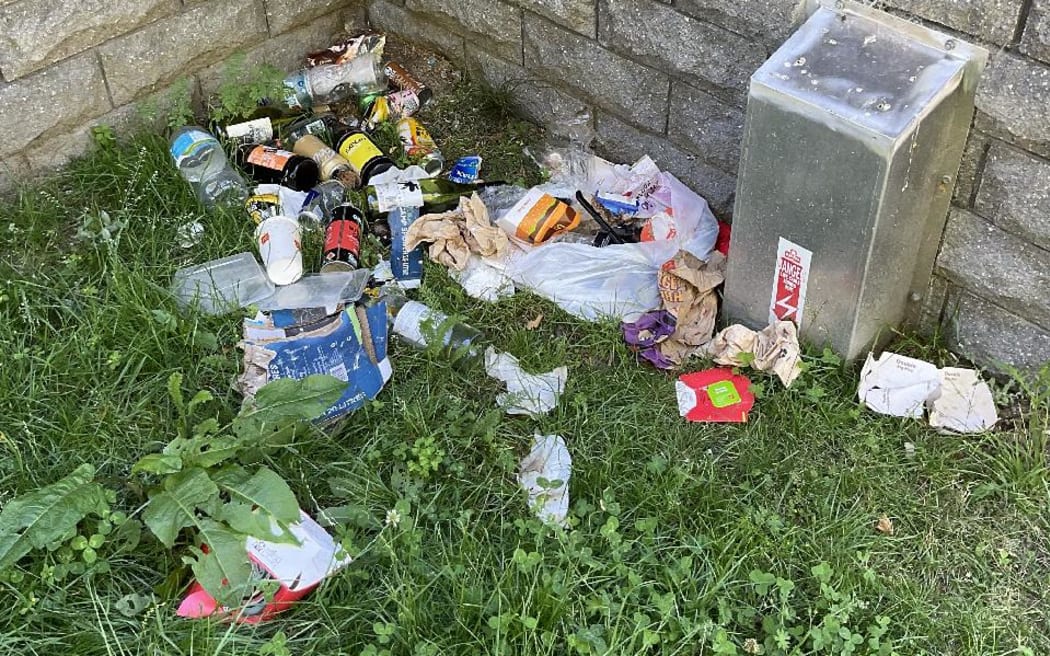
418,325
201,161
322,201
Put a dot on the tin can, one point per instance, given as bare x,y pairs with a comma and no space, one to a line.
261,206
393,106
417,142
342,239
404,80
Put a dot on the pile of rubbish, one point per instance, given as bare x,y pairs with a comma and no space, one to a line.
598,239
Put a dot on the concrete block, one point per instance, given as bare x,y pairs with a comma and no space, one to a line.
989,262
494,24
1013,102
48,155
636,93
13,172
389,16
282,15
702,54
705,125
991,20
931,305
990,335
285,52
537,100
966,180
1015,194
34,34
52,101
1036,39
578,15
620,142
154,57
768,21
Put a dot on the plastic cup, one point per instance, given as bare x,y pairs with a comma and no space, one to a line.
281,248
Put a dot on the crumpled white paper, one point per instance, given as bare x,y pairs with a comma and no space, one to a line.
527,394
897,385
958,400
483,281
965,404
549,460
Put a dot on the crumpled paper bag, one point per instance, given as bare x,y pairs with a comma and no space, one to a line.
687,286
548,459
527,394
775,348
455,235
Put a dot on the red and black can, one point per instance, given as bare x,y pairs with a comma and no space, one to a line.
342,239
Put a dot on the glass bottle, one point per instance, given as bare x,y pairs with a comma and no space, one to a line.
420,325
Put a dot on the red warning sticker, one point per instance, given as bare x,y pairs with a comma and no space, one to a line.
789,283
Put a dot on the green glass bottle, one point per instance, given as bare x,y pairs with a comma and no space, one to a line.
433,194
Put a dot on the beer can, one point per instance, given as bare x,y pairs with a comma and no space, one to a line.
261,206
417,142
342,239
404,80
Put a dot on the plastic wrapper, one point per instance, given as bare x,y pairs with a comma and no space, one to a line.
617,281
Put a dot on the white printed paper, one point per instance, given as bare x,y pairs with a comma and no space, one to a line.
303,565
399,194
897,385
965,403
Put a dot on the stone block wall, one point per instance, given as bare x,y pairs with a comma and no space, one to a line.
68,66
663,77
669,78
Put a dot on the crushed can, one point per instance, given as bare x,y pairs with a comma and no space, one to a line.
417,143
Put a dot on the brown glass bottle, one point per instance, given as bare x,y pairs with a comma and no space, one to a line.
273,165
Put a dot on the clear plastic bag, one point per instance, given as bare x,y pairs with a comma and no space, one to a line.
591,283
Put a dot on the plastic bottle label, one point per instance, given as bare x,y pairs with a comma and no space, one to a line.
358,149
270,158
398,194
410,319
297,95
189,142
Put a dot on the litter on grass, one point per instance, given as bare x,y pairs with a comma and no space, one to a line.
714,395
296,569
545,474
527,394
775,348
957,399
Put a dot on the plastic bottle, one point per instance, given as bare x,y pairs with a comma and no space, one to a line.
417,324
202,162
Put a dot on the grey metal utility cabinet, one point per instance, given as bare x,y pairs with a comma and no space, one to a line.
854,133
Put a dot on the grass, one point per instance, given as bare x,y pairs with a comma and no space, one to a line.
685,538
